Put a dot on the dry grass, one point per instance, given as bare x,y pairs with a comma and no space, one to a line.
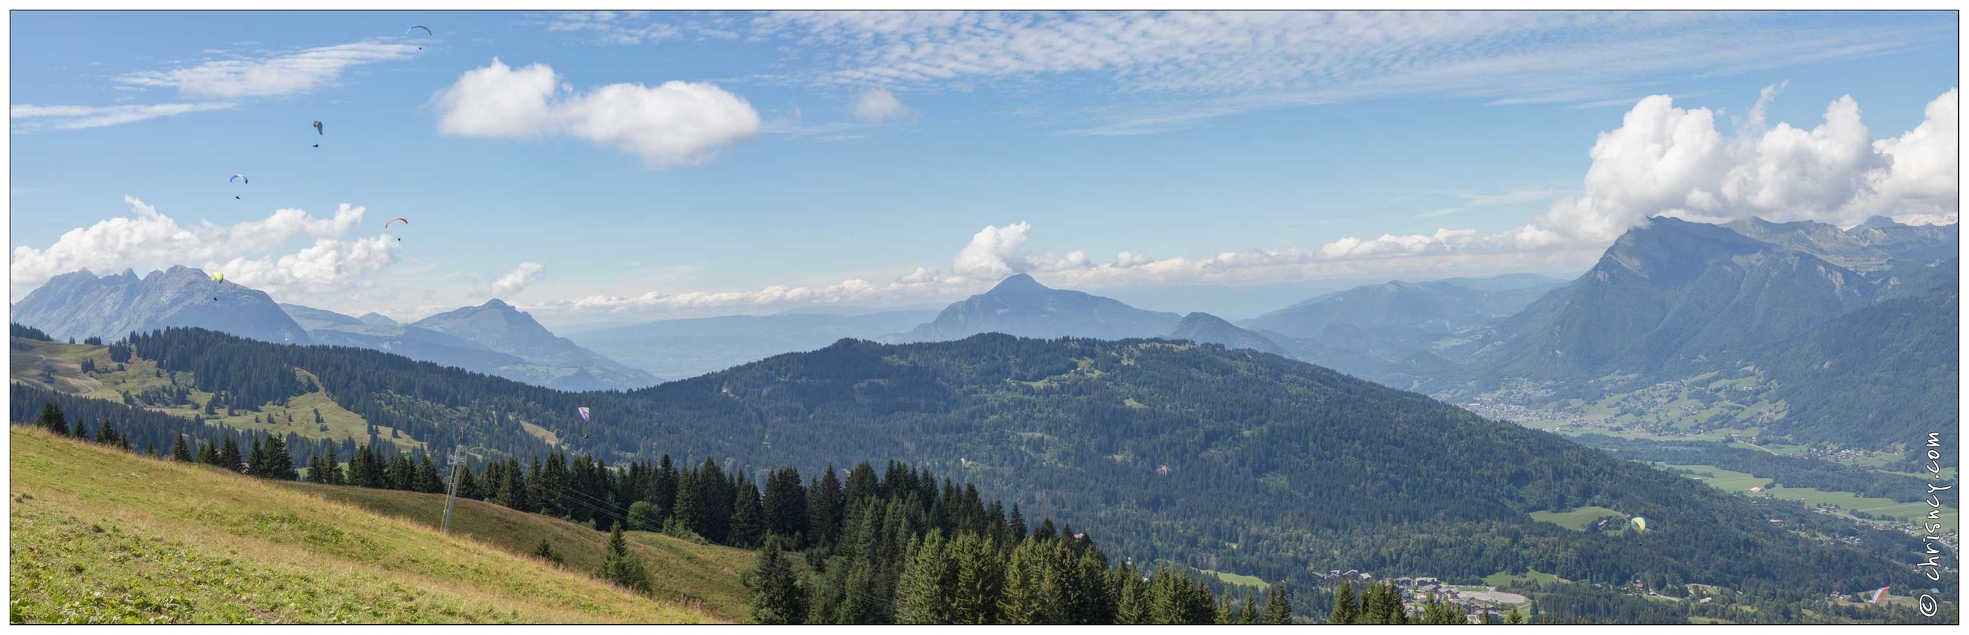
99,535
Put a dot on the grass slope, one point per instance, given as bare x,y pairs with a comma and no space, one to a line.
98,535
58,366
677,567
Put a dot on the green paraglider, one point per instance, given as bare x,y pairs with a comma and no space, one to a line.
219,277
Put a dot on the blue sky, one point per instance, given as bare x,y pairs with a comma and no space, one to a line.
808,161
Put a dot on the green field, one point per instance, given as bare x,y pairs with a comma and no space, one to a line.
1729,481
99,535
710,572
1577,519
1235,579
1504,580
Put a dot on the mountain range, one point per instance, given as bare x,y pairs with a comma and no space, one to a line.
80,305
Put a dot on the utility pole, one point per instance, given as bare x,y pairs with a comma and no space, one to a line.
451,495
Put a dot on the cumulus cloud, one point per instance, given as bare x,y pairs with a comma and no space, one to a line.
1674,161
676,123
287,74
147,239
878,105
31,118
328,266
996,252
518,278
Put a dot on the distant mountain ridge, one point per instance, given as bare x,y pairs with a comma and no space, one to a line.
554,361
1021,306
80,304
1374,331
691,347
1674,293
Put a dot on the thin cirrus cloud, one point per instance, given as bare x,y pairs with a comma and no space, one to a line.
223,82
675,123
291,73
31,118
147,239
1183,68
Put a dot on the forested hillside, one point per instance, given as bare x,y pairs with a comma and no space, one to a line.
1225,460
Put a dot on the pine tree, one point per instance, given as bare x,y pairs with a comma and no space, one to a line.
621,566
776,599
925,592
1345,611
1248,614
256,459
1516,616
546,552
824,508
1018,523
180,451
229,457
1020,600
748,523
209,454
280,463
334,466
1278,604
1045,531
1132,603
52,418
106,434
979,579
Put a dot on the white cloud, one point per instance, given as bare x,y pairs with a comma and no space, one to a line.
288,74
676,123
518,278
29,118
329,266
878,105
1921,185
996,252
147,239
1668,160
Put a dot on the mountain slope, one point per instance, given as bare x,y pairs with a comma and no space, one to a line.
1023,307
1204,328
1877,376
691,347
99,535
1669,295
1373,331
80,305
329,328
1253,463
553,361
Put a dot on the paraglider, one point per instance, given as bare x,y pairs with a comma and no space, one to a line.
1640,523
584,413
386,224
1879,594
238,177
317,132
427,32
219,277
